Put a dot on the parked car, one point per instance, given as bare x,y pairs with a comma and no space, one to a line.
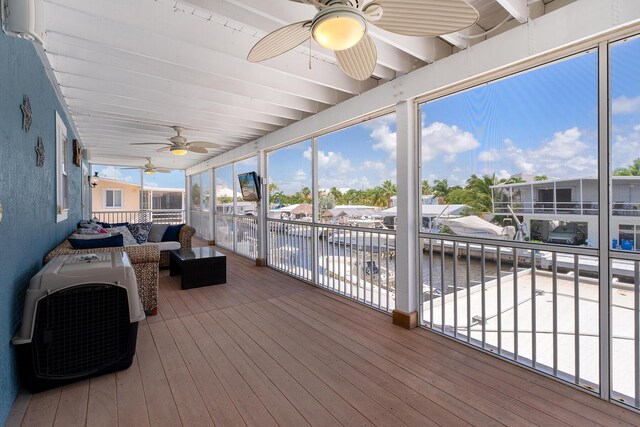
569,234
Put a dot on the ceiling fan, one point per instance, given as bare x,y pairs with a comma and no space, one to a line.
179,144
341,26
150,169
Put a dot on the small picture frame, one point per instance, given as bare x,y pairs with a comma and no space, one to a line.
77,153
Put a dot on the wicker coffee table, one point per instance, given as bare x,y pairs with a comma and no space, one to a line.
199,266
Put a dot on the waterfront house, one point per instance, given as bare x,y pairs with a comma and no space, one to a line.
425,106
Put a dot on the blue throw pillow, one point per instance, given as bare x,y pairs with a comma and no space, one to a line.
173,233
140,231
107,242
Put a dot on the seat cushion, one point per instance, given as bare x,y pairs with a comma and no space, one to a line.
157,232
164,246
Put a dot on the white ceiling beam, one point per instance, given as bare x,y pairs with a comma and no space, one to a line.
169,119
148,110
92,116
456,39
177,61
158,29
271,100
153,130
159,133
187,92
516,8
131,99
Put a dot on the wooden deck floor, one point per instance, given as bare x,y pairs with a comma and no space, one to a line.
265,350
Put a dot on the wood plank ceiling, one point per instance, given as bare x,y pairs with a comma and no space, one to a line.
129,70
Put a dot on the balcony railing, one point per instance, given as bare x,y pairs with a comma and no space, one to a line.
571,208
157,216
537,305
238,233
356,262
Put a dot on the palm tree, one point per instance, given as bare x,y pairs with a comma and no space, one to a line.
480,191
440,188
633,170
335,193
425,189
388,190
305,193
540,178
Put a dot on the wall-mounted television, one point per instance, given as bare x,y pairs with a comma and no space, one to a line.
249,186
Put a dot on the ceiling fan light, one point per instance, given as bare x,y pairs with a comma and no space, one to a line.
149,171
338,28
179,151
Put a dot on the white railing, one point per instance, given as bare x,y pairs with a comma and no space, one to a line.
570,208
537,305
238,233
201,222
158,216
356,262
625,328
246,236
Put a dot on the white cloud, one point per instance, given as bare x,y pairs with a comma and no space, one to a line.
564,155
300,176
624,105
439,138
112,172
386,140
490,155
626,147
331,162
373,165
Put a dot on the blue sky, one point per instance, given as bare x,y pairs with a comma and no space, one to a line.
175,179
359,157
543,121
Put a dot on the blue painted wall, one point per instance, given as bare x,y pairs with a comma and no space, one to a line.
27,193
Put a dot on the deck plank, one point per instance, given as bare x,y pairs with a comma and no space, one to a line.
132,406
249,405
102,408
265,349
42,408
72,407
160,403
221,408
273,399
191,407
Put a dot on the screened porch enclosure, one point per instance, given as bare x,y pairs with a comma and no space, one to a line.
565,305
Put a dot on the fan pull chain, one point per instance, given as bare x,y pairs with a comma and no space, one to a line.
309,52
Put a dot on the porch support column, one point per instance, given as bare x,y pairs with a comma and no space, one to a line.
212,201
187,199
263,208
407,242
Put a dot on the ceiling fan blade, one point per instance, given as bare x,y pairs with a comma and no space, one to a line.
129,168
280,41
317,3
204,144
149,143
359,61
425,17
200,150
163,149
163,170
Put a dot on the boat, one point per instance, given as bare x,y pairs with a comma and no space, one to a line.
474,226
